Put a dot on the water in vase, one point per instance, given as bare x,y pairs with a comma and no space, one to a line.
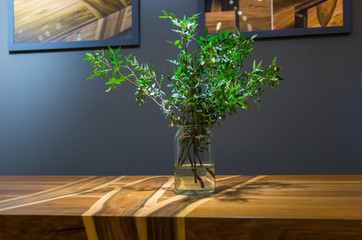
191,180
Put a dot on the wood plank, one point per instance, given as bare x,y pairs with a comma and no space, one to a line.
101,29
255,15
41,21
66,206
272,229
284,19
40,179
113,24
335,20
308,4
22,227
66,190
251,16
44,21
282,5
220,21
145,207
103,8
294,13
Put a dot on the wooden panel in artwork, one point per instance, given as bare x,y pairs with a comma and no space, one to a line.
282,5
220,21
336,19
264,15
249,16
38,21
284,19
307,14
103,8
101,29
145,207
255,15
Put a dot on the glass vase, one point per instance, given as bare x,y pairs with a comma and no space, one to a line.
194,161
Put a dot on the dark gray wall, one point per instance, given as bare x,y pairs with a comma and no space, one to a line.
53,121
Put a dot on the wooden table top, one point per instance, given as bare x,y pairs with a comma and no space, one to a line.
145,207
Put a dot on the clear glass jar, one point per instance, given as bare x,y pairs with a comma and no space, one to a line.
194,160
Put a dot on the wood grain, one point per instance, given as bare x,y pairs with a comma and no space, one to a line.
284,19
253,16
282,5
256,15
220,21
101,29
38,21
145,207
264,15
307,13
325,11
103,8
314,19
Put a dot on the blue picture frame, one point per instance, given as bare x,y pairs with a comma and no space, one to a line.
131,38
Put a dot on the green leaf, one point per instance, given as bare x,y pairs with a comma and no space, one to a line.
220,35
200,43
104,73
109,89
165,15
226,33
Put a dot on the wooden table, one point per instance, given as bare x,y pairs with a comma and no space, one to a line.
145,207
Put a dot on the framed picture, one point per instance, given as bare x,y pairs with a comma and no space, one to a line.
278,18
35,25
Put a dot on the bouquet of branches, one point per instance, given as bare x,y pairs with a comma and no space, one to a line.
208,82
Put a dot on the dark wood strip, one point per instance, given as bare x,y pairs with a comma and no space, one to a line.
304,6
272,229
20,227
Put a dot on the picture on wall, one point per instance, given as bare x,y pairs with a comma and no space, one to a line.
63,24
270,18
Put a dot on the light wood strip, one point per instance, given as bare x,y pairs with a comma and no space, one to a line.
171,201
90,228
180,229
67,190
100,203
182,214
194,205
112,203
88,215
124,3
45,191
141,222
152,201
